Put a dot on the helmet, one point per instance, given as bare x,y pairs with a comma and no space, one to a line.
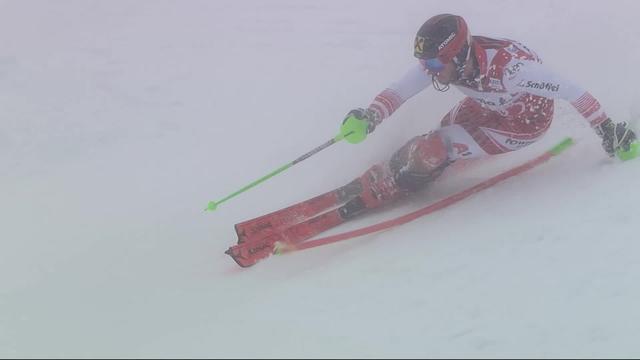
441,39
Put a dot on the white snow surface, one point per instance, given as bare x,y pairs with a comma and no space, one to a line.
120,120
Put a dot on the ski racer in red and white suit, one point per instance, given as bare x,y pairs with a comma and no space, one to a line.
509,104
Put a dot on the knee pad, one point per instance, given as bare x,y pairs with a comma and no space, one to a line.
420,161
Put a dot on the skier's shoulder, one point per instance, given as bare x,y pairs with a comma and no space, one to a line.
510,46
504,57
504,50
490,43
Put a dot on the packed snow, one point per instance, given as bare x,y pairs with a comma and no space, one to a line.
120,120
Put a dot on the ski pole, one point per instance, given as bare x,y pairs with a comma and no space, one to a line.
213,205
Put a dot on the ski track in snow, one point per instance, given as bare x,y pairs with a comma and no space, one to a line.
120,120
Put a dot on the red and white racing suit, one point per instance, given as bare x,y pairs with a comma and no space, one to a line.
509,105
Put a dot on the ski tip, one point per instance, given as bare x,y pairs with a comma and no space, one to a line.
239,259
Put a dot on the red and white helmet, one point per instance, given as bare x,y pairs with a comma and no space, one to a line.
441,39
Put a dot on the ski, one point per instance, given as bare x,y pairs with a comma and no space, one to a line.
266,225
248,253
297,223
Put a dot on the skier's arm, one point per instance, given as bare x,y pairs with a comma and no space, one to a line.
360,122
391,98
537,79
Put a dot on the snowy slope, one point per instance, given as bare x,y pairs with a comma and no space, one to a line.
119,120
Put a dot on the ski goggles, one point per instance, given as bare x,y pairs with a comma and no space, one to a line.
432,65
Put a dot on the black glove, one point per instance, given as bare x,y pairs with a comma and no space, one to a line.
615,136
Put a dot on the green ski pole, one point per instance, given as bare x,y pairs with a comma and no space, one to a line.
213,205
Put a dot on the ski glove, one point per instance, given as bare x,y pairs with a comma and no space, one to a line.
358,124
618,139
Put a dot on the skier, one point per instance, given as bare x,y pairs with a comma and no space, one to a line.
509,104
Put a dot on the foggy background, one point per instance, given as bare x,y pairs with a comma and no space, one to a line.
120,120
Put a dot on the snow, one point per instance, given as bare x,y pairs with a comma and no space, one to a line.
120,120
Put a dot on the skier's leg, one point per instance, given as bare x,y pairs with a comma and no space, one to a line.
468,131
410,169
420,161
415,165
